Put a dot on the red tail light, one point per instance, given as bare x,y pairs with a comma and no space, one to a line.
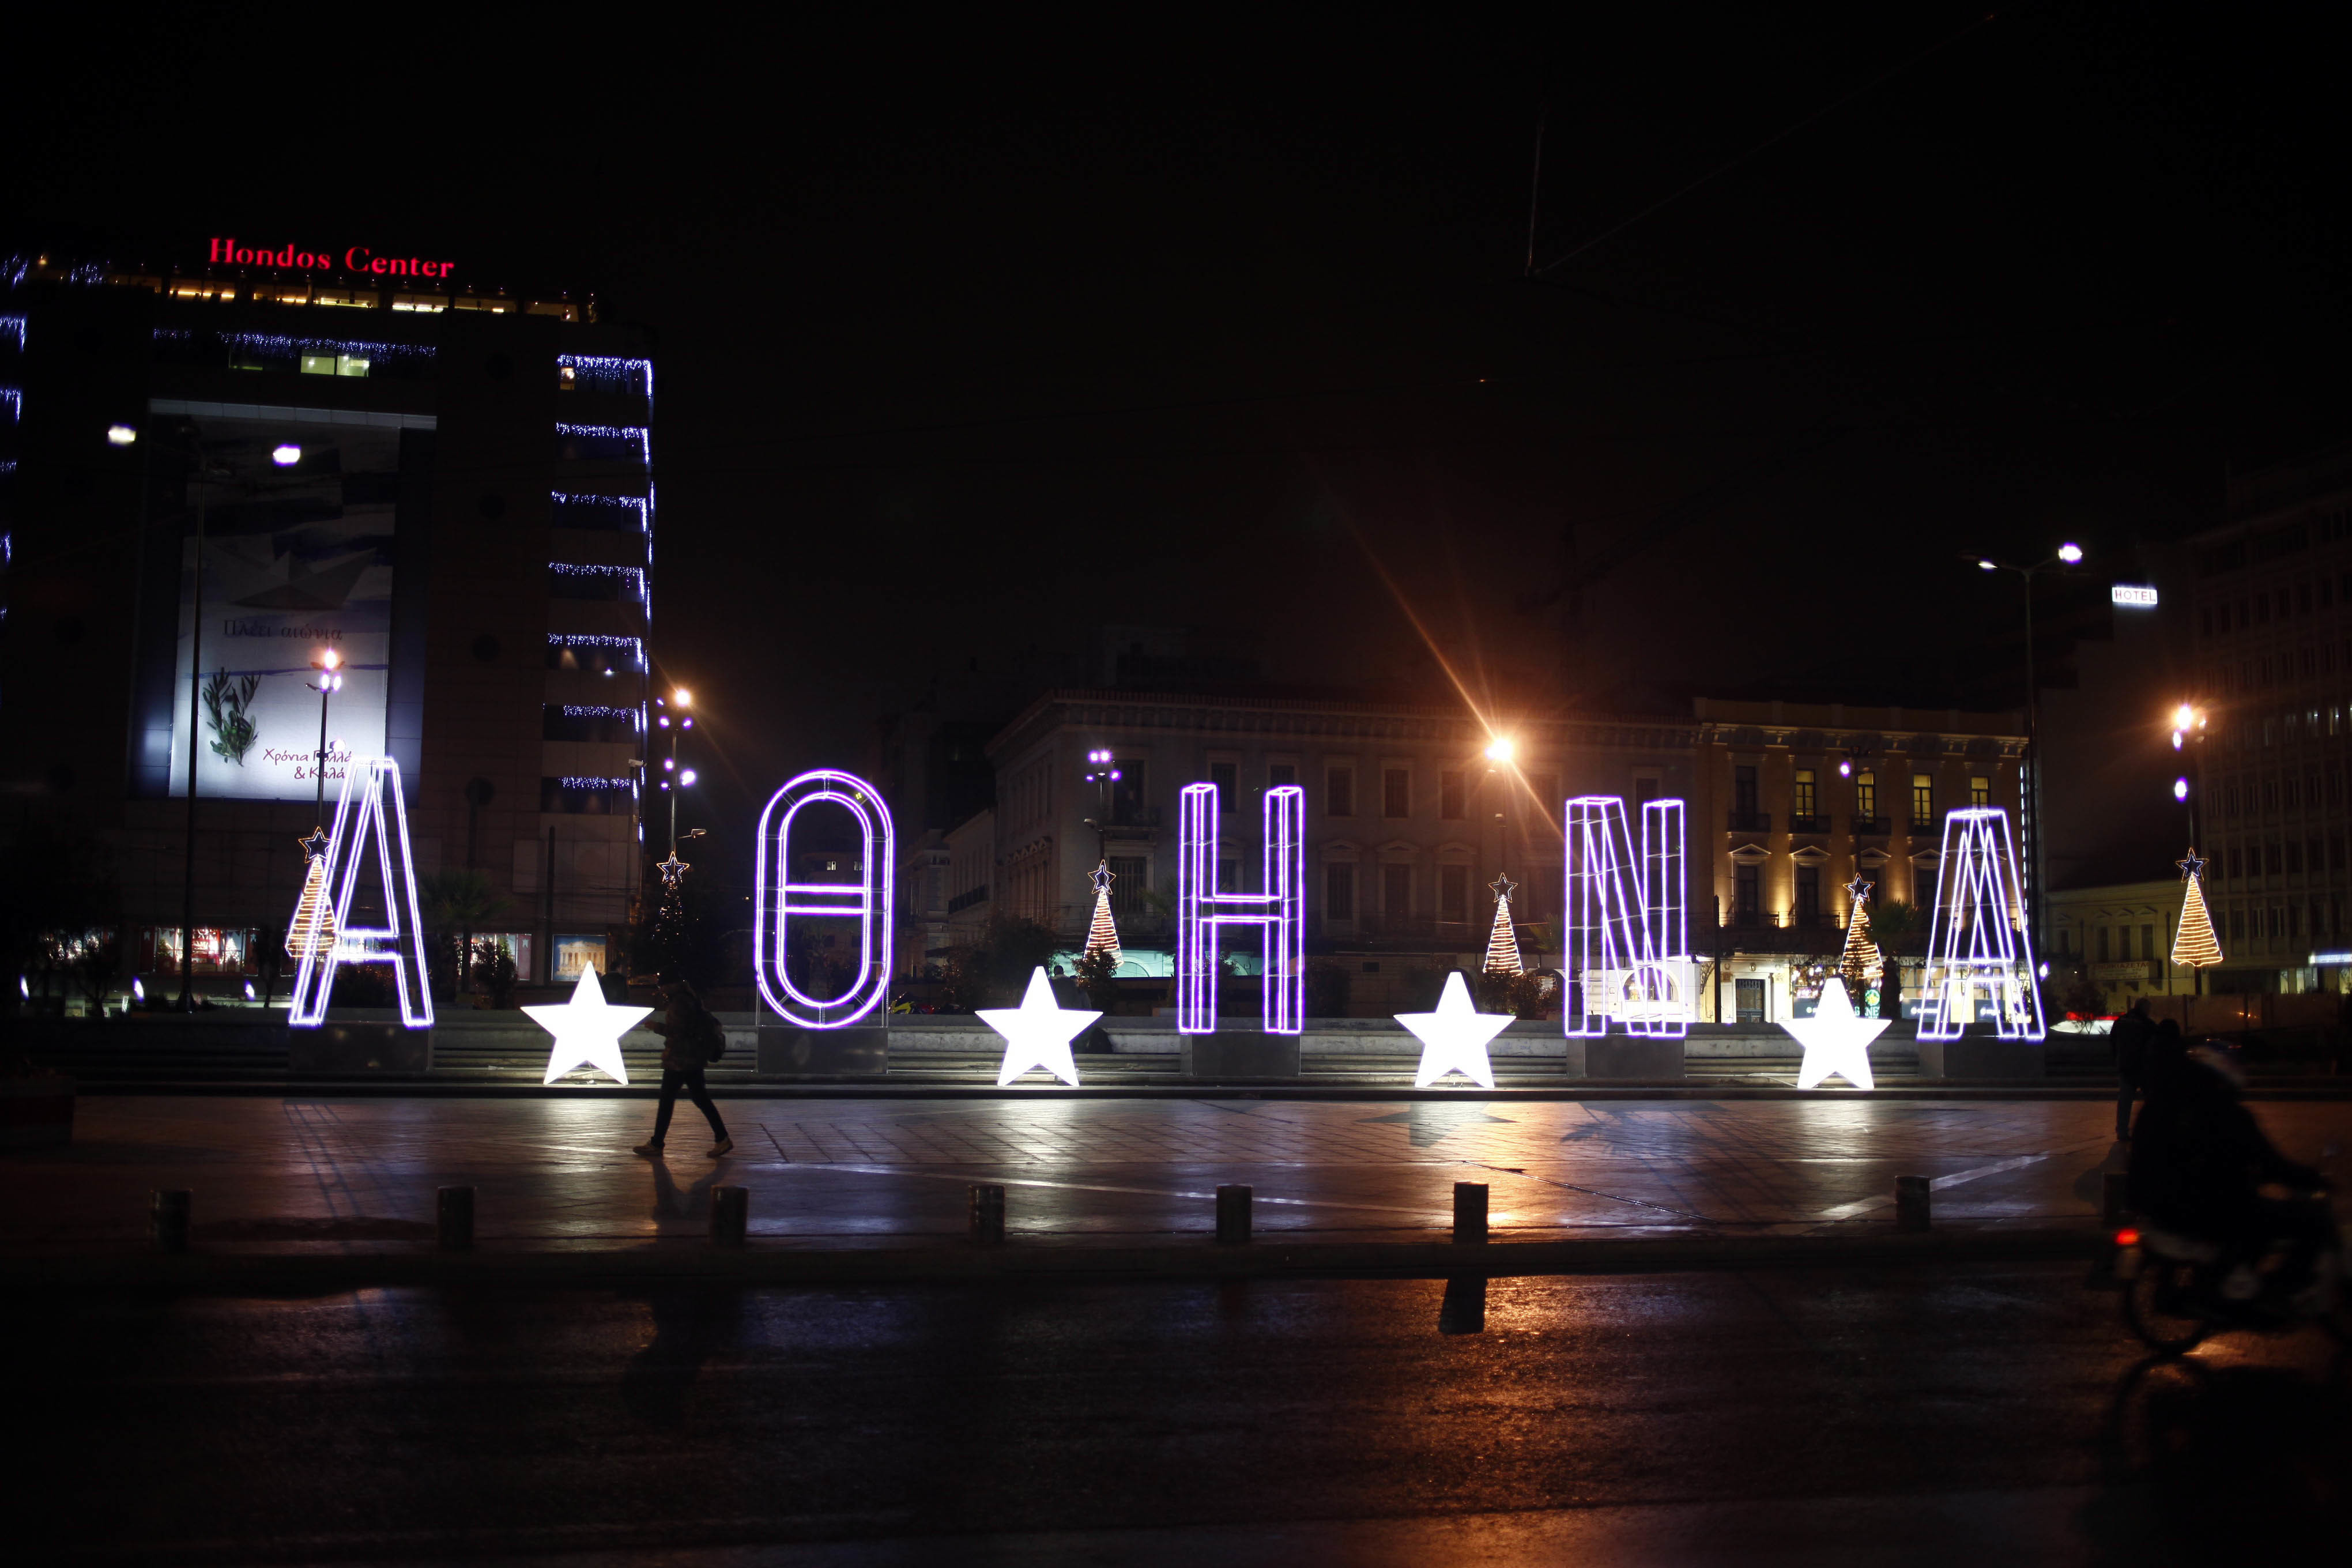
2126,1238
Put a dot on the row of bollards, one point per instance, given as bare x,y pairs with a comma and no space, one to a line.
170,1210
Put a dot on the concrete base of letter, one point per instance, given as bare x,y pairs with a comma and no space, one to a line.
787,1051
1632,1057
358,1047
1980,1056
1231,1054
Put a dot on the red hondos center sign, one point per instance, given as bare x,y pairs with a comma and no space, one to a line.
352,258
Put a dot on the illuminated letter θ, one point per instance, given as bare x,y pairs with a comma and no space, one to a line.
360,820
1628,941
1978,941
777,896
1278,912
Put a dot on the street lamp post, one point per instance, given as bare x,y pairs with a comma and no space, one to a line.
328,665
673,779
2189,789
1101,772
2068,554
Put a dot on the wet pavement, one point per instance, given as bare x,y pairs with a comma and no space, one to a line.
1923,1415
313,1171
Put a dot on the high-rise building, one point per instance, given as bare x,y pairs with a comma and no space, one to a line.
216,478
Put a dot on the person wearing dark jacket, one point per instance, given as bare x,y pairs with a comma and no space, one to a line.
2199,1163
687,1030
2129,1038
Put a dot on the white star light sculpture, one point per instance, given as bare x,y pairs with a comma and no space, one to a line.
1038,1033
1835,1041
1454,1039
587,1030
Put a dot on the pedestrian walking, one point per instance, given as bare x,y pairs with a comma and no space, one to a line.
692,1038
2130,1038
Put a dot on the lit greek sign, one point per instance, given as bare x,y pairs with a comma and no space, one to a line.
2331,958
1279,912
361,820
2140,598
226,251
1977,942
1627,934
776,898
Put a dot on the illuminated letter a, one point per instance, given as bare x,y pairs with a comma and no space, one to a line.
361,820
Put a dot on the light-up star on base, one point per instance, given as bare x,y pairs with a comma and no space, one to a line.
1454,1039
1038,1033
1835,1041
587,1030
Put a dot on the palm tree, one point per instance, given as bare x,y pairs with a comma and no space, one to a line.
455,902
1896,926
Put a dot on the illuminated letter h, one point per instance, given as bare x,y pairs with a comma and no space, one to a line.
1279,912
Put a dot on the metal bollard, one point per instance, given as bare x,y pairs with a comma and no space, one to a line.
167,1219
1910,1202
1232,1214
731,1216
1469,1211
987,1214
2114,1201
454,1214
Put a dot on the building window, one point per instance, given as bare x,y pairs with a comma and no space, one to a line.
1746,894
1865,796
1923,888
1743,790
1546,789
1131,880
2147,941
1749,1001
1453,892
1396,792
1396,891
1645,790
1803,797
1809,895
1979,790
1923,800
1229,875
1339,892
1227,777
1127,807
1281,775
2104,939
1452,797
1338,792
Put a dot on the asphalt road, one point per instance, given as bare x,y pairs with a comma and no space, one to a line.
1916,1415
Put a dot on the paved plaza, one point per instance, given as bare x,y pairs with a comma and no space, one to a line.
310,1171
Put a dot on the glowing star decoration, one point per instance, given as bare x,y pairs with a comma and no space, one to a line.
587,1030
361,820
673,870
1038,1033
1454,1039
1977,943
1278,913
1628,940
777,900
1837,1043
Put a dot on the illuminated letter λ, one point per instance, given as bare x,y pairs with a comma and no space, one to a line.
1977,941
1278,912
360,820
1628,940
777,896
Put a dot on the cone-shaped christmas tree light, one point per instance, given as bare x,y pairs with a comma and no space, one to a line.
1102,935
2194,945
312,929
1861,963
1503,943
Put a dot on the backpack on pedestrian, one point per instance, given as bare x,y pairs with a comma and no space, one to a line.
709,1036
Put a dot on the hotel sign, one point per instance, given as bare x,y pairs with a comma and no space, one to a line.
227,251
2136,597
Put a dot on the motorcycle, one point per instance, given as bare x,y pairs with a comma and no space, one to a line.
2179,1289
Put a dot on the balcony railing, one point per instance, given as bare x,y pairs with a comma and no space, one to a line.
1809,825
1869,825
1749,822
1924,824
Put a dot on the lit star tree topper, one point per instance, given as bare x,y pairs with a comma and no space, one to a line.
1503,942
1861,963
1837,1044
1102,933
1455,1038
2194,943
1038,1033
587,1030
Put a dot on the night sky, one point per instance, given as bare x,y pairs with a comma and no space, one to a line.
970,342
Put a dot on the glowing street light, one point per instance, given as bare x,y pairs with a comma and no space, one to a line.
2071,553
682,697
120,435
286,454
686,778
1500,749
2180,789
